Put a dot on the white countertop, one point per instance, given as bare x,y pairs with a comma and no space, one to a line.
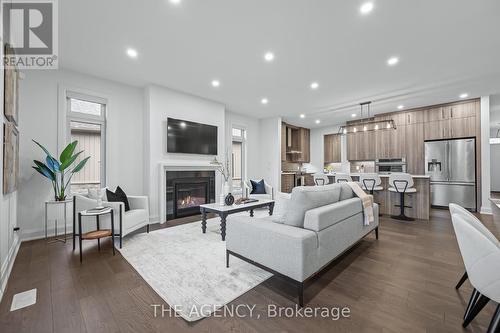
357,174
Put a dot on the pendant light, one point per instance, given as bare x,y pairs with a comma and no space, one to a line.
368,125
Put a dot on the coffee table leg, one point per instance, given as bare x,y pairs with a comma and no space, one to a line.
203,220
251,212
271,208
223,226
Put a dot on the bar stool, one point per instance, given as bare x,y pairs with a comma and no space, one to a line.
370,182
401,183
342,178
321,179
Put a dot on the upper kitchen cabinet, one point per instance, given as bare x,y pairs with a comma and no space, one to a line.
414,117
295,144
436,130
332,147
361,146
304,145
435,114
390,143
462,110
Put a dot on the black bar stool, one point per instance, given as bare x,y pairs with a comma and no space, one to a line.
401,183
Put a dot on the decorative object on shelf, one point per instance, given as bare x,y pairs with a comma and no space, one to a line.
225,171
229,200
57,171
10,158
368,125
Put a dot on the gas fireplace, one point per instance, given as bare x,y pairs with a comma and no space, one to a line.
187,190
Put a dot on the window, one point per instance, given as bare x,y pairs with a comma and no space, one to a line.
238,158
87,125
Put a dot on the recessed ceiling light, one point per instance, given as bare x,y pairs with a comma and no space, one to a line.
318,121
354,115
392,61
366,8
183,124
302,116
215,83
401,107
314,85
132,53
264,101
175,2
269,56
464,95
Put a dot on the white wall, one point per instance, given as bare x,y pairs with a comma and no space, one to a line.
251,126
40,102
485,155
270,151
9,240
162,103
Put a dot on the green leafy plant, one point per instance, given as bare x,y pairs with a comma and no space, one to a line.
60,172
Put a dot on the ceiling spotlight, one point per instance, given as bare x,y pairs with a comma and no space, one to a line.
366,8
264,101
392,61
183,125
302,116
132,53
269,56
464,95
401,107
354,115
314,85
175,2
215,83
318,121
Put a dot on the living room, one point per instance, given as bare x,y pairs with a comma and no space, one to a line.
250,166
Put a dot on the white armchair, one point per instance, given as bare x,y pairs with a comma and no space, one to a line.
248,190
125,222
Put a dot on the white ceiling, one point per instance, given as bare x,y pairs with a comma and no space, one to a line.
446,47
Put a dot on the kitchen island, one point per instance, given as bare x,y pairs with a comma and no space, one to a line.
419,202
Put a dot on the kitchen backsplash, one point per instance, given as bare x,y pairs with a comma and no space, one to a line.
362,166
290,166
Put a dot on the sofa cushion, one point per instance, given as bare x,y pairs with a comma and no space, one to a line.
118,196
281,207
258,187
323,217
346,192
305,198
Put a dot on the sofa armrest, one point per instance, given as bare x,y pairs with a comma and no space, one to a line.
269,190
288,250
138,202
83,203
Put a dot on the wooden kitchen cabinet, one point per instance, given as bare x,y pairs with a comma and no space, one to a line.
415,117
436,130
435,114
304,145
332,148
283,142
462,110
415,151
352,146
287,182
462,127
390,143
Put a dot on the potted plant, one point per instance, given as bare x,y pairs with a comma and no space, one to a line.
60,172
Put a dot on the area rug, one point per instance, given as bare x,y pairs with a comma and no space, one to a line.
188,270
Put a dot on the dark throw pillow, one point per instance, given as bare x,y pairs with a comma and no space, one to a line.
118,196
258,187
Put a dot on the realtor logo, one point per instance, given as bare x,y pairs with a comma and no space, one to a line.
30,29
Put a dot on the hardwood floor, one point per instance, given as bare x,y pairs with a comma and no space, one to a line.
402,283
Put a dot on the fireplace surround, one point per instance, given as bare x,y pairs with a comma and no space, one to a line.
187,190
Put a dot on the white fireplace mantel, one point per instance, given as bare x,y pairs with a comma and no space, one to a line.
178,166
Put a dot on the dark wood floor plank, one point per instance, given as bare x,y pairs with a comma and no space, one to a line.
402,283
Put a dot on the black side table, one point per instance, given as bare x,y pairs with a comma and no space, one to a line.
96,234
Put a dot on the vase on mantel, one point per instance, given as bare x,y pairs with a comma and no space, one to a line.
222,196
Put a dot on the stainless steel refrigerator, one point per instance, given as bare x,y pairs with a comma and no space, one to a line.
451,164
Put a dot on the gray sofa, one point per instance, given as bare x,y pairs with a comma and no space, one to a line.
319,224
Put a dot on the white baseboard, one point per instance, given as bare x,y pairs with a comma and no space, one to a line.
486,210
8,264
33,234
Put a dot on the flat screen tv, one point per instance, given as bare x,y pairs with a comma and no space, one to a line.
191,138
